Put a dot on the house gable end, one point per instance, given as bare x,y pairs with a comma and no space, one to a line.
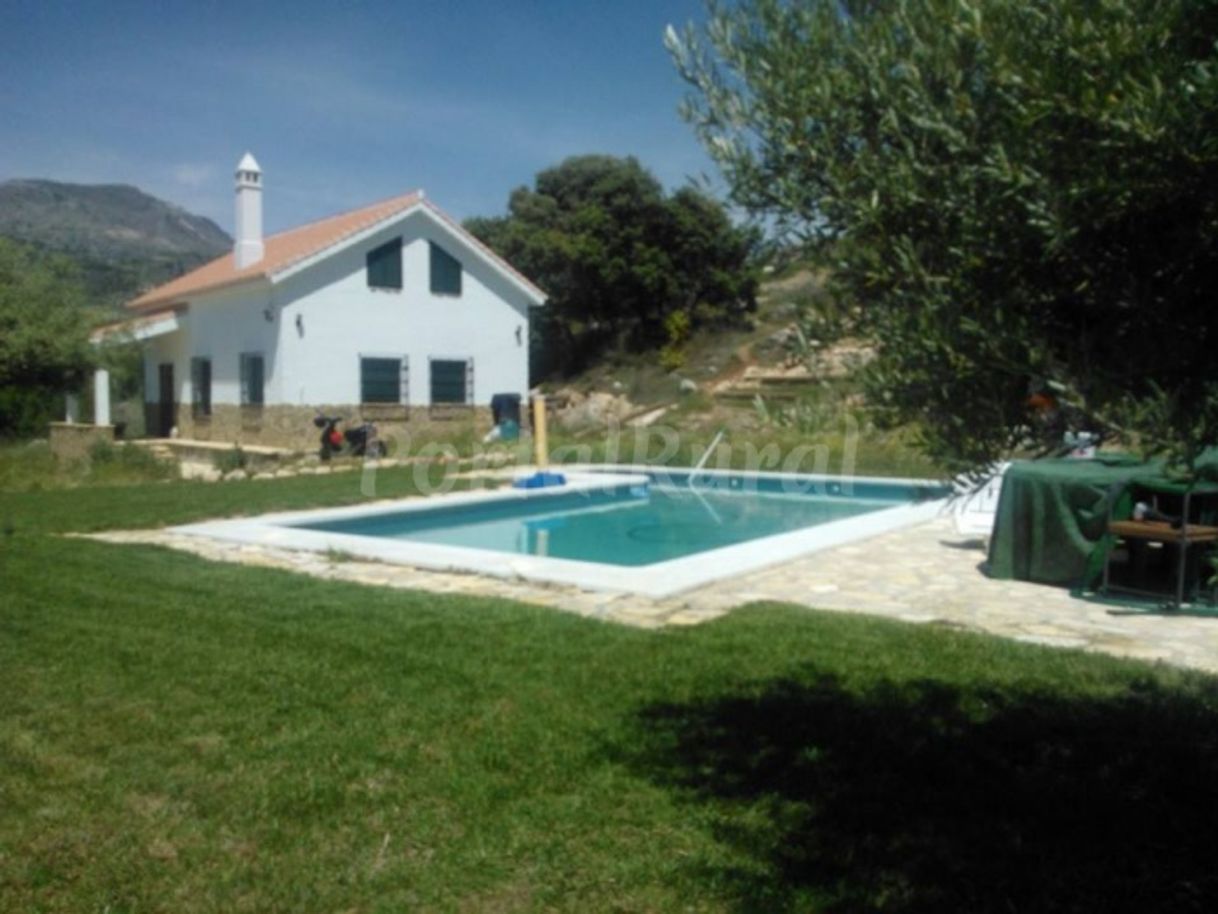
442,230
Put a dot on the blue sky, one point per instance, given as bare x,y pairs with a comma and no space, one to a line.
342,103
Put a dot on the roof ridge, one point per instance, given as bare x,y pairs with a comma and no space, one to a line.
413,198
347,212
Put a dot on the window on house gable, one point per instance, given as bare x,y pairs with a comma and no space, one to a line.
445,272
382,380
385,265
452,380
200,387
252,379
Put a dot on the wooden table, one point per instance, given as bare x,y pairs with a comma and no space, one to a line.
1183,538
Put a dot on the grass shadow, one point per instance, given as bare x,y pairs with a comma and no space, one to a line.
925,797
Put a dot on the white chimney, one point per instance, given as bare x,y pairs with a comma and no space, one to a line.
247,248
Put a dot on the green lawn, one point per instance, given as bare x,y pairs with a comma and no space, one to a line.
91,508
183,736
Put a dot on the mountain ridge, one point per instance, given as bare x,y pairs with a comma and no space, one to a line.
123,239
60,215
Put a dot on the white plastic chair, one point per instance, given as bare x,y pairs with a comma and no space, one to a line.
974,507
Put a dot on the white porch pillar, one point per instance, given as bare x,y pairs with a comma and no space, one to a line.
71,408
101,397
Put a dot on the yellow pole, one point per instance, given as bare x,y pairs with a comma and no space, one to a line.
541,453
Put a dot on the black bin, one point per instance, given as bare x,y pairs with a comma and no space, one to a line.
505,408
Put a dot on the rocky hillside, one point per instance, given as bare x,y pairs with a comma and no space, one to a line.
123,238
725,370
757,383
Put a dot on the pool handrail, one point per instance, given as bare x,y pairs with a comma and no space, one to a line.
705,456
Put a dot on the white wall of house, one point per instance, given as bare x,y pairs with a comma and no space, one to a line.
341,319
219,327
324,317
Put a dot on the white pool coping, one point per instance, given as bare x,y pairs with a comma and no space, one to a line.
658,580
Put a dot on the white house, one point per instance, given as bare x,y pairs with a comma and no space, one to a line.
391,312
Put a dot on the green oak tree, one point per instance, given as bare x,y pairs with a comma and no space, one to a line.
1017,199
617,256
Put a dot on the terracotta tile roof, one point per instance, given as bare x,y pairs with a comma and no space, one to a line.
280,252
287,248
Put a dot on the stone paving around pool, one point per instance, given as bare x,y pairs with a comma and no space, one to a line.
925,574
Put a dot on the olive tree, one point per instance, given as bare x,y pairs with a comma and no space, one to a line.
1017,199
44,348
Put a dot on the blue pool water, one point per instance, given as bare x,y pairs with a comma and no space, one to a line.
631,526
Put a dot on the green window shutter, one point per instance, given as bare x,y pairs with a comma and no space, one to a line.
445,272
448,381
258,378
385,265
380,380
200,386
252,379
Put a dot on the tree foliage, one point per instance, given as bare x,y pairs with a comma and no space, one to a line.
1016,197
44,347
617,256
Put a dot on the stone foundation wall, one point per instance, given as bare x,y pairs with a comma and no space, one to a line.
292,427
73,440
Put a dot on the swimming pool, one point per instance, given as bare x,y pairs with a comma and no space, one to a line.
650,532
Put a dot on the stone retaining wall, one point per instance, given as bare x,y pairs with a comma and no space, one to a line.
74,440
292,427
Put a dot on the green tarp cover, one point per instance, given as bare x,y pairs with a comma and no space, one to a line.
1053,513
